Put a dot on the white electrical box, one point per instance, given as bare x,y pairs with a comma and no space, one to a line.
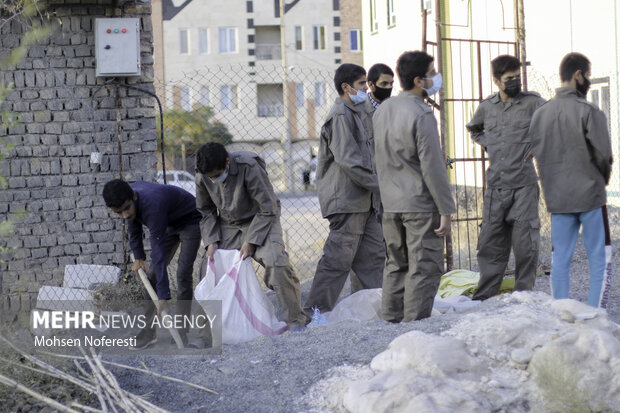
117,47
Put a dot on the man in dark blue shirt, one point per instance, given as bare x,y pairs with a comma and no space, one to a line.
170,215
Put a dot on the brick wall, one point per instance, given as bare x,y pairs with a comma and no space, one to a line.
53,192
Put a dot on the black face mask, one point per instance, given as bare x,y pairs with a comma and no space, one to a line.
512,87
584,87
382,93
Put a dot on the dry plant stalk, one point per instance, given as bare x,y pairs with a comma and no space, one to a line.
144,370
99,381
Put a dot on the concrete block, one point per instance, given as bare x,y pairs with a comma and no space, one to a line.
67,299
84,276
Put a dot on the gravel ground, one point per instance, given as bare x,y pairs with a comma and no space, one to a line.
273,374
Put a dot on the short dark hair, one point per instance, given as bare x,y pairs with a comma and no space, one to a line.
210,157
504,63
347,73
376,70
571,63
116,192
411,65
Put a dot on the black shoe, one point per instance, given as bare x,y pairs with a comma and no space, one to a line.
144,339
199,343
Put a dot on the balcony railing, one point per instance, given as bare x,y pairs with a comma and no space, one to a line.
268,51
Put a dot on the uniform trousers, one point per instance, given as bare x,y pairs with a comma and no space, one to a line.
510,219
414,265
355,242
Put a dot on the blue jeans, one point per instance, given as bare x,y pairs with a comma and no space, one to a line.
595,234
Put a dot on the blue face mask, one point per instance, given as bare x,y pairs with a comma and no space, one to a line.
437,81
359,97
220,179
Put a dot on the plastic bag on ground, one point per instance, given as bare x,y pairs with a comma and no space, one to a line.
464,282
317,318
246,311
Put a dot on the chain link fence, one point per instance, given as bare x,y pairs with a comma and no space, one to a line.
244,108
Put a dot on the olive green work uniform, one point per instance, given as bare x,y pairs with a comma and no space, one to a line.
510,210
415,191
348,194
244,208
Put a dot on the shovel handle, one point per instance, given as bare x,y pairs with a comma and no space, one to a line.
173,331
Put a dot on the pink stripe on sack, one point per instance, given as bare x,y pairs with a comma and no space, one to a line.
261,327
211,265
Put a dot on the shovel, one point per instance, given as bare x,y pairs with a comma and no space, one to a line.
173,331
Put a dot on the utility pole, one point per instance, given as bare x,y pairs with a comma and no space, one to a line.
286,138
520,38
442,115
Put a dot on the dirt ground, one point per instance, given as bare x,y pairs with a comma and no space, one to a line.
275,374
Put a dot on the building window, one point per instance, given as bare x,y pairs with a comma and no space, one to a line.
228,97
391,16
184,41
299,95
203,41
319,94
374,24
204,96
318,37
355,40
299,36
186,101
228,39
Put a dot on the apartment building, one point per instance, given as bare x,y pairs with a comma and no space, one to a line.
227,55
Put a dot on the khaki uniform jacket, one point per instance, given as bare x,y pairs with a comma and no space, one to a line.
410,163
246,196
346,178
501,129
573,152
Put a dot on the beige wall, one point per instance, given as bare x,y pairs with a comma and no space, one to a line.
350,18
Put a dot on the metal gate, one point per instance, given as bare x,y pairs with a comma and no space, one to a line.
466,68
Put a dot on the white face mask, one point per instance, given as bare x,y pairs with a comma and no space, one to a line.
220,179
437,81
359,97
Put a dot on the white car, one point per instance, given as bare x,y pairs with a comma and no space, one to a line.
182,179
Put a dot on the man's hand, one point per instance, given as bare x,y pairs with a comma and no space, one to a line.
210,251
444,226
163,307
247,250
138,264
